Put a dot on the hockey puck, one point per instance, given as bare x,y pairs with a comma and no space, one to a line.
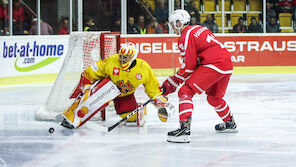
51,130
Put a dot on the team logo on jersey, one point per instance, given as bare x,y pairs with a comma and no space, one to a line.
183,65
139,76
116,71
124,87
181,46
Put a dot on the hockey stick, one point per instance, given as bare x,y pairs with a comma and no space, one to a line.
133,112
94,126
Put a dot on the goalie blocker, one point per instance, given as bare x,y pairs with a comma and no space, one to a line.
92,101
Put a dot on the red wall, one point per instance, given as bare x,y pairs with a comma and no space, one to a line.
162,52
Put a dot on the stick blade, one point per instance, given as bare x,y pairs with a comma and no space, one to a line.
94,126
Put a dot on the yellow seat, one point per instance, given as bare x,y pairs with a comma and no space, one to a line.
285,19
255,5
239,5
197,4
250,15
209,5
227,5
234,18
225,30
287,30
152,3
218,18
203,17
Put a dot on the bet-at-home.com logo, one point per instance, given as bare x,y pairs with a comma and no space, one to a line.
32,56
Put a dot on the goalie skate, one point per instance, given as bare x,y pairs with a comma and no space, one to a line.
90,103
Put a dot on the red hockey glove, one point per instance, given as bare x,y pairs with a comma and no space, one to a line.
79,87
170,85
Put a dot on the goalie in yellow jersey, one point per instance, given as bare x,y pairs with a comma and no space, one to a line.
117,77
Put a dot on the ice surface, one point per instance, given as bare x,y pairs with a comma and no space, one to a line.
263,106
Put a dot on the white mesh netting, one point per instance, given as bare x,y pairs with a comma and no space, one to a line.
85,48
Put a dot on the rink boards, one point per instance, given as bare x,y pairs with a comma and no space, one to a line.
27,59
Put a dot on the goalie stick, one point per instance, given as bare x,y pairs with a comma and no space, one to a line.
133,112
95,126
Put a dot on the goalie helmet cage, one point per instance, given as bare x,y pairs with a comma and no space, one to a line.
84,49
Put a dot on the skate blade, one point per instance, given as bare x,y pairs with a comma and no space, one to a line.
131,124
227,131
180,139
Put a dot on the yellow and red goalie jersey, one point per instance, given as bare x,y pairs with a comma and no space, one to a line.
127,81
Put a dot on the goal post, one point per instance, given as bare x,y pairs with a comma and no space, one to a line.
84,49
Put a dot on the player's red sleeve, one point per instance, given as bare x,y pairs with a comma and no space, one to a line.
188,51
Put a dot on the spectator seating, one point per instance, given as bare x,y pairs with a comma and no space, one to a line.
289,30
250,15
209,5
152,3
198,6
225,30
255,5
203,17
227,5
234,18
285,19
239,8
239,5
218,18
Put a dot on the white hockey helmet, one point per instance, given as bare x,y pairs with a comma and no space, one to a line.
127,54
179,15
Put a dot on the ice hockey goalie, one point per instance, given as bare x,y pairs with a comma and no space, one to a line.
126,73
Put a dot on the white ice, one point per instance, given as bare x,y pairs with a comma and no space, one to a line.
263,106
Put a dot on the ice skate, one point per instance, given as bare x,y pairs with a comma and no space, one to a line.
227,127
181,135
66,124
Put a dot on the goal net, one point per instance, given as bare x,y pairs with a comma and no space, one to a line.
84,49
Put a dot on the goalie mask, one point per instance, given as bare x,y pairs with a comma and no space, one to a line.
181,16
127,54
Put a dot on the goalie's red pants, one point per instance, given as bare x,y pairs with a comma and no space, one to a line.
211,82
125,104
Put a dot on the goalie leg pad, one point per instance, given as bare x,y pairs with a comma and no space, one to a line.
69,113
79,87
124,106
91,102
133,118
141,116
137,119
